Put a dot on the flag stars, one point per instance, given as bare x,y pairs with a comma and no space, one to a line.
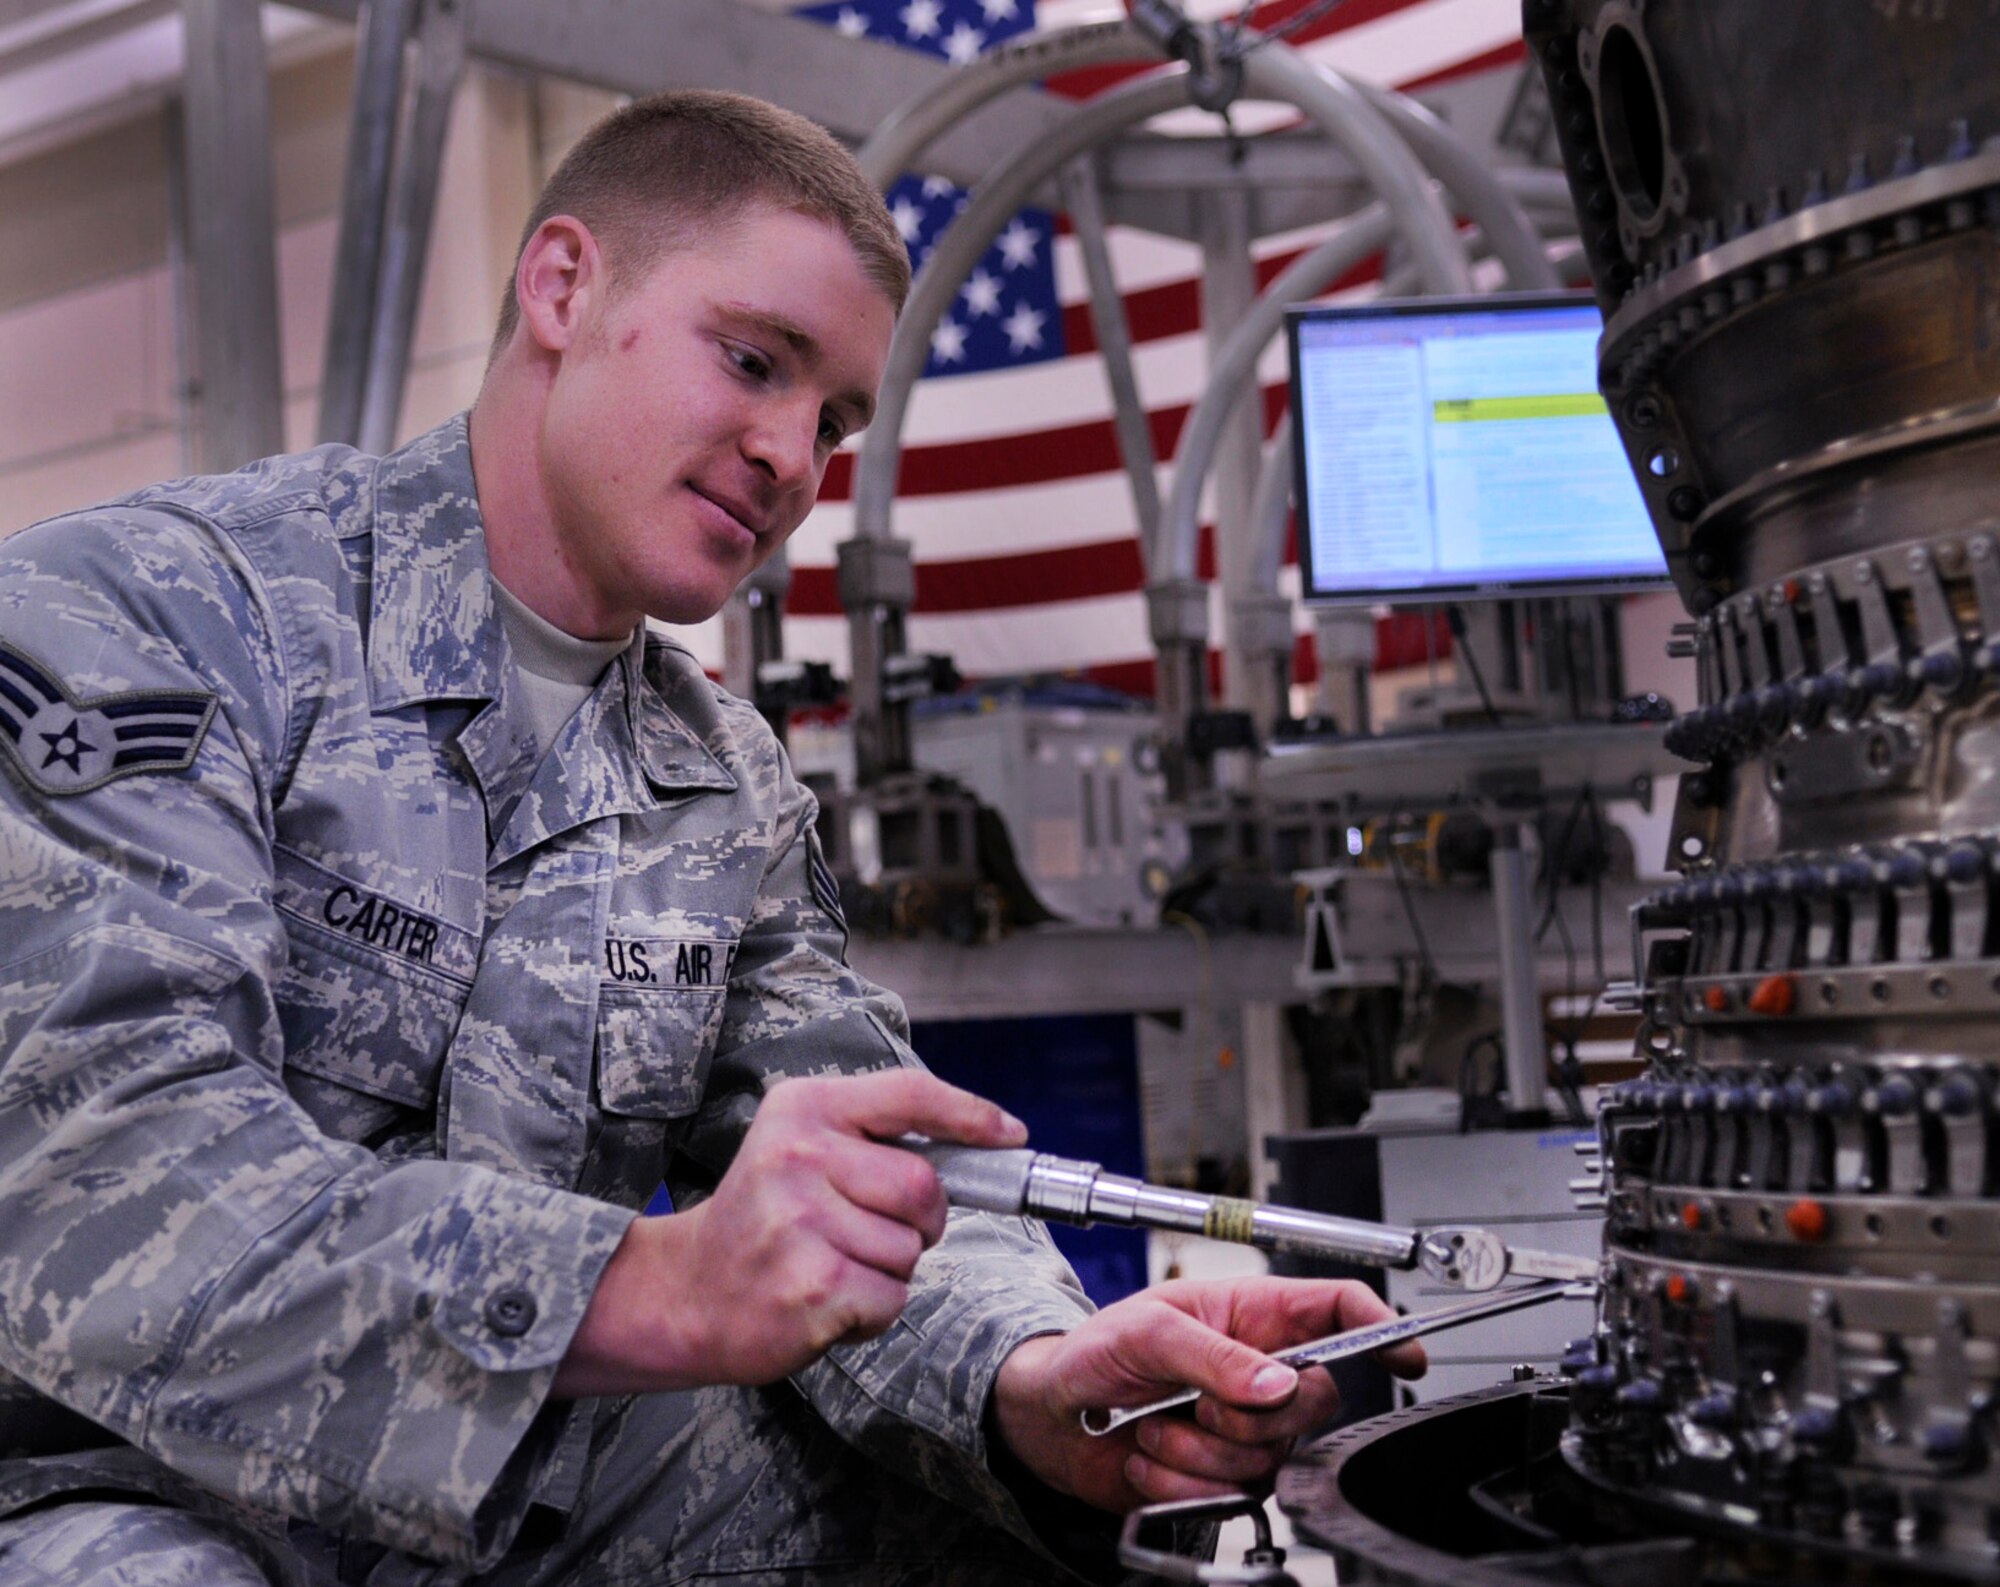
939,187
999,10
920,18
1017,245
981,293
1024,328
908,218
850,23
963,44
948,342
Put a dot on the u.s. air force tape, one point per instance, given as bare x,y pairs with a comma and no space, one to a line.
59,743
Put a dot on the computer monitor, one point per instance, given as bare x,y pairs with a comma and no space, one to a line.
1452,448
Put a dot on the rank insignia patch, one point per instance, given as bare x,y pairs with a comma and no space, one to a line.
63,745
819,877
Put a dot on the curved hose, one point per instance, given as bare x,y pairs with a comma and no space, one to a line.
1383,158
993,202
1233,368
908,129
1489,197
1484,193
1341,110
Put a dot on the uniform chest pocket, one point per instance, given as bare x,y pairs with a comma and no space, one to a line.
659,1011
369,999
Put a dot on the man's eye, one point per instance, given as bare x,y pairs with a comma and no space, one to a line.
752,363
831,431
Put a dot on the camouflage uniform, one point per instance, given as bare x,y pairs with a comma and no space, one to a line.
342,1035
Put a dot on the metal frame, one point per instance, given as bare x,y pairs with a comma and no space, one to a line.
233,233
412,204
1381,145
385,26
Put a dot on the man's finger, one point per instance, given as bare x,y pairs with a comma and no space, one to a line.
1406,1360
1194,1451
1359,1308
1278,1312
1315,1404
887,1245
1178,1348
1158,1483
862,1303
892,1102
890,1182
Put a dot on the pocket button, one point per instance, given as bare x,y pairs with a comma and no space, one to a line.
510,1312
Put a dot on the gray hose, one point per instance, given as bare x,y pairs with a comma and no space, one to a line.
1340,109
1234,368
894,146
996,199
1486,196
1383,158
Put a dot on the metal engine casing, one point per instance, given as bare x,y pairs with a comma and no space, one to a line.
1790,209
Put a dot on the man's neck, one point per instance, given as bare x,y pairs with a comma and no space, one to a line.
526,557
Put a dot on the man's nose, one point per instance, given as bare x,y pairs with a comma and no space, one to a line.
785,442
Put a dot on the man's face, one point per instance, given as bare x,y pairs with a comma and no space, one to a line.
689,424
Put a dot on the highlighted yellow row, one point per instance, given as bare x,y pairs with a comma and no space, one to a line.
1556,405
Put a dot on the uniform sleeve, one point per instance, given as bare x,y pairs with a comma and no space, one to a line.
914,1399
184,1257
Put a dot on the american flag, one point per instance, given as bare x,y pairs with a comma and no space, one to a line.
1007,313
1012,490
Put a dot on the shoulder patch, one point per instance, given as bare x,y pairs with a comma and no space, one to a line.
820,878
60,744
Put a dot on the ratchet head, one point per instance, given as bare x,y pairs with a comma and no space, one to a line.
1478,1259
1468,1259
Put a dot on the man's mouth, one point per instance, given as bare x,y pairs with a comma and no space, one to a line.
745,516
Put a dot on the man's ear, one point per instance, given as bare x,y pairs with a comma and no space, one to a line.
559,282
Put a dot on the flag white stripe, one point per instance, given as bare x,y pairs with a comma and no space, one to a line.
1049,516
1414,42
1170,372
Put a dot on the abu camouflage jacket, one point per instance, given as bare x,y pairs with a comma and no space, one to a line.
342,1034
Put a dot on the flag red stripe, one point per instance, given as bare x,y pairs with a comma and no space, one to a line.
1399,644
1173,308
1031,457
1500,55
1002,583
1072,573
1090,80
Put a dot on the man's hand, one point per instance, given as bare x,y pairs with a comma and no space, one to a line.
1206,1335
809,1241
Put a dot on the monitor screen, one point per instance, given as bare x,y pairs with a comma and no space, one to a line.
1446,448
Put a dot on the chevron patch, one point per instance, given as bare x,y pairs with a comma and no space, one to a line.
59,744
819,877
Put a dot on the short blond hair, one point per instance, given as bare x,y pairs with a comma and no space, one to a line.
648,178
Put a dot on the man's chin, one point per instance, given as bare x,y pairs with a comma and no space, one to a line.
685,608
683,601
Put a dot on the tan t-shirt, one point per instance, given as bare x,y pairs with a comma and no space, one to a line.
556,670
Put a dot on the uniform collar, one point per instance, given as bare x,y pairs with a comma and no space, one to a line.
435,636
670,753
623,752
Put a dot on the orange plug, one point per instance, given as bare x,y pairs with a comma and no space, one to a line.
1807,1220
1776,995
